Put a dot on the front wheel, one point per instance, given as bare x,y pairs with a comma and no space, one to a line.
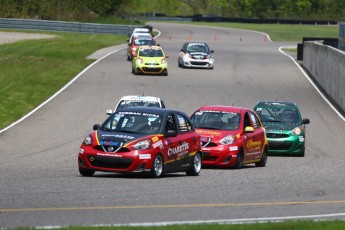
86,172
263,160
239,160
196,167
157,167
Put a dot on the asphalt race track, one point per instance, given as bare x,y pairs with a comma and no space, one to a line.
41,186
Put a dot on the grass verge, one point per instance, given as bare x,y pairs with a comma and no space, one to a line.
32,70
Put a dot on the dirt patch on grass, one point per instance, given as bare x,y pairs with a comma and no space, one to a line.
10,37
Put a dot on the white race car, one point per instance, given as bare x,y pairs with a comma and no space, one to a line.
137,100
196,55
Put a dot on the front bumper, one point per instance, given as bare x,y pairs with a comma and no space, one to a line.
292,145
136,161
223,155
151,69
197,63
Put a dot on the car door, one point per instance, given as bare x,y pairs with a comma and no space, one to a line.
256,139
187,140
172,142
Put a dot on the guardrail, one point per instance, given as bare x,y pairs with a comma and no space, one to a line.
66,26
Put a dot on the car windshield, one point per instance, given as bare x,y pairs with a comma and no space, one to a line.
202,48
135,103
278,113
220,120
133,122
141,42
151,53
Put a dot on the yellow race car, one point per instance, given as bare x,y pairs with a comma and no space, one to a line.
150,60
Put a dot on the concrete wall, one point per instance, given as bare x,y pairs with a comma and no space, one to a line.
327,66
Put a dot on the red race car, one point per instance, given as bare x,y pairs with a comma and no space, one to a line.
141,139
139,40
230,136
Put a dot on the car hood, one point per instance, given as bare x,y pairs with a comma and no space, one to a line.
272,126
216,135
152,59
198,55
116,139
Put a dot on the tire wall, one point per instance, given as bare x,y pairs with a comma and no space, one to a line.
327,66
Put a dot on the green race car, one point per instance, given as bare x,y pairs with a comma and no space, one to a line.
150,60
285,128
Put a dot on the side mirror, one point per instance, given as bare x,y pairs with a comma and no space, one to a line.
171,133
249,129
305,121
109,112
212,51
166,56
96,126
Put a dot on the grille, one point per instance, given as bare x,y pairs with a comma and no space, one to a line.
121,150
109,162
198,63
276,135
279,145
152,70
211,144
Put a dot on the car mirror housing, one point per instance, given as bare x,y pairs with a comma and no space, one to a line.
96,126
305,121
109,112
171,133
249,129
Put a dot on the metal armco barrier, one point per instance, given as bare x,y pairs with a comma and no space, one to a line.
66,26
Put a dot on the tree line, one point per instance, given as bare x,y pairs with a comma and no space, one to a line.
84,10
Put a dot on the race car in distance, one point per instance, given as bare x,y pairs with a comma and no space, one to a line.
285,128
150,60
137,100
154,141
137,41
230,136
196,55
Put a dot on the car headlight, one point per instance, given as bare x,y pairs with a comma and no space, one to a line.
228,140
88,140
209,57
140,61
297,131
141,145
163,61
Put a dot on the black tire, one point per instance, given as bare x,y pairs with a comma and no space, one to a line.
157,167
263,160
239,160
196,167
86,172
302,152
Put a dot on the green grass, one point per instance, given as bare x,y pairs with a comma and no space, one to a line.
287,225
32,70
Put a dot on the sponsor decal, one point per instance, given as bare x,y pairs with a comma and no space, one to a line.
178,149
238,135
206,132
155,138
144,156
122,136
233,148
81,151
253,145
109,143
157,144
108,155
